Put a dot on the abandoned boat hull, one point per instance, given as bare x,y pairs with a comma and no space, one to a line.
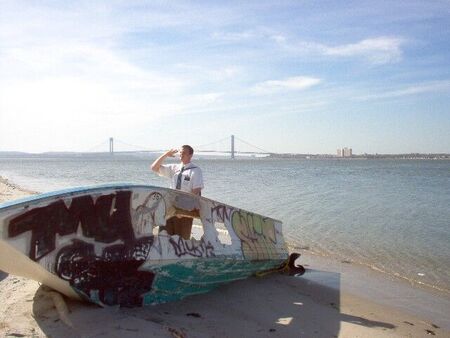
104,244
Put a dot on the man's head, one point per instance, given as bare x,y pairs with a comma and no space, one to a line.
186,153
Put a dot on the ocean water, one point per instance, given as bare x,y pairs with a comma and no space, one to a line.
390,215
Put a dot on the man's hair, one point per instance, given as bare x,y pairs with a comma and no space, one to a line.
189,148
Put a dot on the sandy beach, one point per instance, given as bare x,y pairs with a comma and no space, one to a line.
332,299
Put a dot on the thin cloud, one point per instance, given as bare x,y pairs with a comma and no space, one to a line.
376,51
226,72
380,50
290,84
233,36
261,33
93,63
431,87
279,38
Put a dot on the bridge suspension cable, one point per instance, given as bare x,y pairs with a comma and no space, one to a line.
211,143
138,148
251,145
97,146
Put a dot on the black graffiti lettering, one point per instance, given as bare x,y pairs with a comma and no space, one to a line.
138,250
106,220
195,249
113,278
222,212
112,224
75,261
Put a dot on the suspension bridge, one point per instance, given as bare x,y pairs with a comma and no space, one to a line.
229,146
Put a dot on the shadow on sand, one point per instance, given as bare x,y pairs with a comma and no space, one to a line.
3,275
273,306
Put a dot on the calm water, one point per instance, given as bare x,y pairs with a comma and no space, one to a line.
392,215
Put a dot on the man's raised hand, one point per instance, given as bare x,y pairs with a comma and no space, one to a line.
171,152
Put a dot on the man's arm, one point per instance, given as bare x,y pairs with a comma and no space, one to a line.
158,162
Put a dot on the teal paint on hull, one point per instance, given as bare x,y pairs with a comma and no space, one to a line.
179,280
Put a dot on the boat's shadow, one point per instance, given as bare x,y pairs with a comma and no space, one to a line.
3,275
272,306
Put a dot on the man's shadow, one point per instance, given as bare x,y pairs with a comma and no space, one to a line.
271,306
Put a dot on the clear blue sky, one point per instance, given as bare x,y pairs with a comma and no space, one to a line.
287,76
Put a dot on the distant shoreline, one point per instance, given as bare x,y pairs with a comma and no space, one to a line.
408,156
368,156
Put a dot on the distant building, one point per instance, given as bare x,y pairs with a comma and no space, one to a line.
344,152
347,152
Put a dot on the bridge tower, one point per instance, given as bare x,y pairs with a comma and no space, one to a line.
232,147
111,146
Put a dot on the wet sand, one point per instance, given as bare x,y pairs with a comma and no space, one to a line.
332,299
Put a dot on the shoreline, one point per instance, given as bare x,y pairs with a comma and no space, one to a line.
388,275
10,190
333,298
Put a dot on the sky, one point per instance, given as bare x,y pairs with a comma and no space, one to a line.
285,76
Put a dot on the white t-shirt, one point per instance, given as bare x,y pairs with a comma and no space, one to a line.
191,177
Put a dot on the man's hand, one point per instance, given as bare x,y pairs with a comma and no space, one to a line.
157,164
171,152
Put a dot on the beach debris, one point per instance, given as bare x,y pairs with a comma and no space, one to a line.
409,323
193,314
421,274
435,326
176,333
288,267
295,270
284,321
430,332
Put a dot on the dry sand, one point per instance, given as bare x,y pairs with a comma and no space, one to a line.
332,299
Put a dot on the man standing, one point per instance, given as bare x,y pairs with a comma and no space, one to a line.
184,176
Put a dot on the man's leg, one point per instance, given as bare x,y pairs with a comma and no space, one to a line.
183,227
171,223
